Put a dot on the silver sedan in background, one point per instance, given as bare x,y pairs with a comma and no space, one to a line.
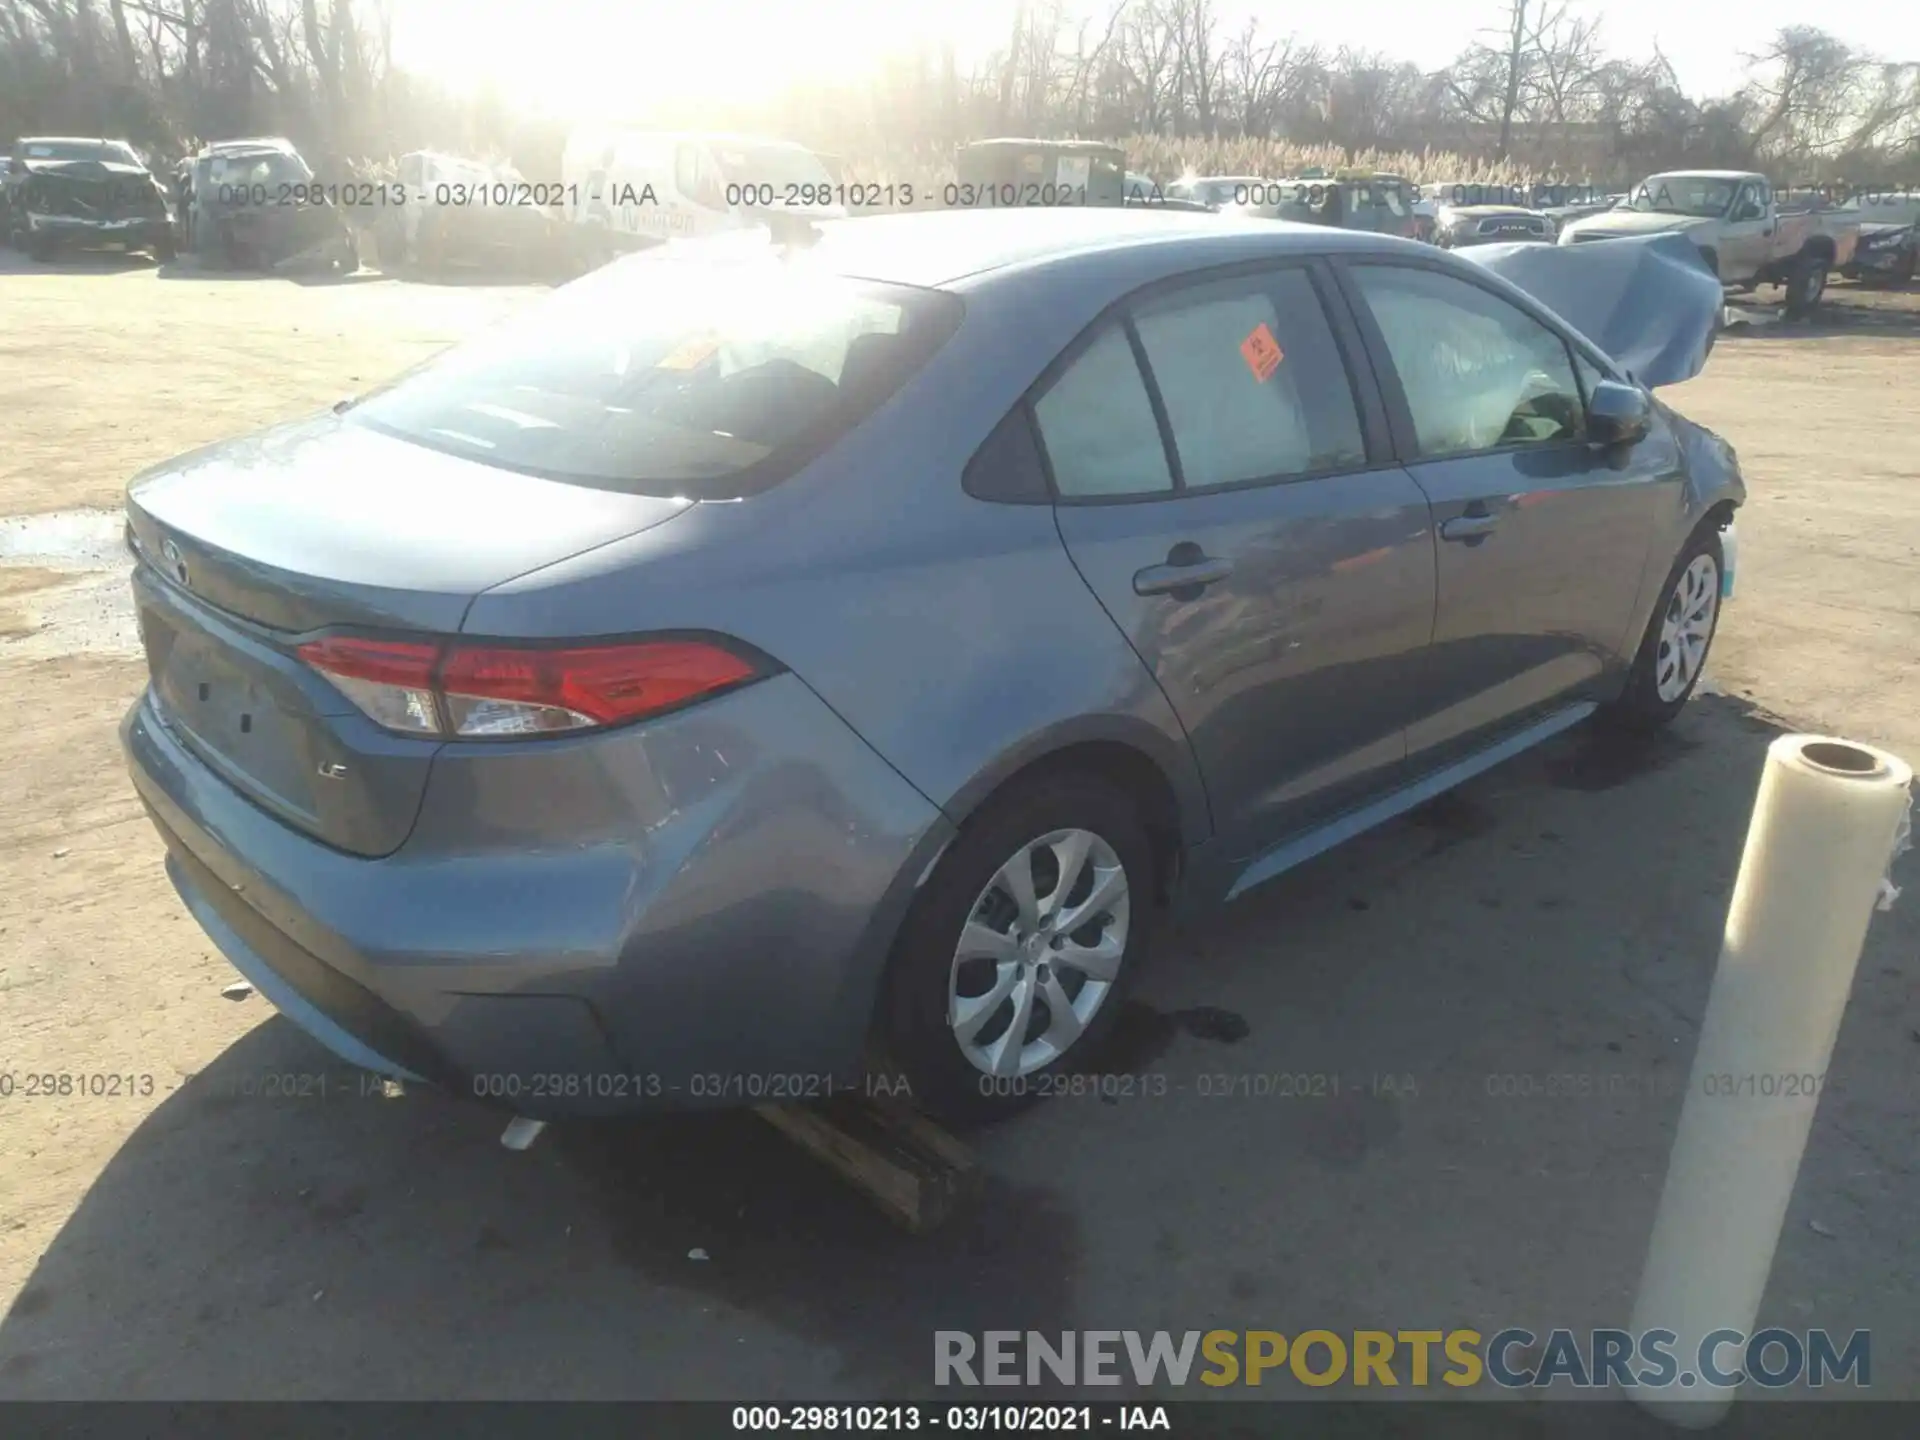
760,656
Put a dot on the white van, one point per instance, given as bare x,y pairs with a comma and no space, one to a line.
631,188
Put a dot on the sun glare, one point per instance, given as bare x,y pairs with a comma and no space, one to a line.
606,59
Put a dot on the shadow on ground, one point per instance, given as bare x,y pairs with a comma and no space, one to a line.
333,1242
1853,309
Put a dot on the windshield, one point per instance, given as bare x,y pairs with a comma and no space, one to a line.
672,375
270,168
112,151
1704,197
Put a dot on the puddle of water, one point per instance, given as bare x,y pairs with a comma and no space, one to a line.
91,611
65,540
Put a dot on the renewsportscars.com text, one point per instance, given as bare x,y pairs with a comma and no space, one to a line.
1512,1358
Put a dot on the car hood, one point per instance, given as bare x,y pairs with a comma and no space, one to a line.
1635,222
87,169
1649,302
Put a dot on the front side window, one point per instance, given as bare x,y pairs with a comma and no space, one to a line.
1097,425
660,375
1252,380
1477,372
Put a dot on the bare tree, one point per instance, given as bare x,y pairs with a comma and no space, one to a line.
1265,76
1806,97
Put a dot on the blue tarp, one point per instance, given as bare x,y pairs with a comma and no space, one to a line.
1649,301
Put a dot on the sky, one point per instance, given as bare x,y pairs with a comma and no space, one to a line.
579,58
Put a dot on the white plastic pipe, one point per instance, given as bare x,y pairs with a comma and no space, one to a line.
1822,833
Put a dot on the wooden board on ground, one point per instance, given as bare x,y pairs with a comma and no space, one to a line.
911,1168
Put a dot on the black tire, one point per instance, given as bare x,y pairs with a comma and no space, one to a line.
1640,706
916,1038
1806,285
43,248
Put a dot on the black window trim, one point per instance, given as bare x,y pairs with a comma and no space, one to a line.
1406,443
1370,410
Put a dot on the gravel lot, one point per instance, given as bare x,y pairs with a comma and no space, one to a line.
188,1238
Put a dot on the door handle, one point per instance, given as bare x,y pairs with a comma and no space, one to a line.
1469,527
1188,569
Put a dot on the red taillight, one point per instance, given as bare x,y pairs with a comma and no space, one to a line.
492,691
505,690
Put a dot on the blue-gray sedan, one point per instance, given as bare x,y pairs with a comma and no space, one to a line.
763,655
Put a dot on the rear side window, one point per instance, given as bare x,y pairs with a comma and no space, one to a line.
1252,380
663,375
1478,373
1097,425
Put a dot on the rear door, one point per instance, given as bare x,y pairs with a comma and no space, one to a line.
1225,488
1542,536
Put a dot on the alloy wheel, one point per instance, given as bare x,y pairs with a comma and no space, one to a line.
1686,627
1039,954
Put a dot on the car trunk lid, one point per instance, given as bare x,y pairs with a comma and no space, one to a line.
249,547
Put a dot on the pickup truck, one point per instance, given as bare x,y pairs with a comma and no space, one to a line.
1739,227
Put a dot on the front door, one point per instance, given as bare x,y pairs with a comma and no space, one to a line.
1746,236
1542,537
1215,490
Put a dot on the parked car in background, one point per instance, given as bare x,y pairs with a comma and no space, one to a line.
65,193
255,204
1219,191
1143,200
1001,173
626,189
786,657
1888,252
1564,203
1741,229
1473,213
1351,200
455,211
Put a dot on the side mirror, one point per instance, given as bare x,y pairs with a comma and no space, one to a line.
1618,414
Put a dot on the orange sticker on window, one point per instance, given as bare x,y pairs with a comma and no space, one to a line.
1262,353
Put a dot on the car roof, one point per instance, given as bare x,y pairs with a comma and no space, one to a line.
1707,174
940,249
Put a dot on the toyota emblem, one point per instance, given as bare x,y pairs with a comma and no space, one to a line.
170,552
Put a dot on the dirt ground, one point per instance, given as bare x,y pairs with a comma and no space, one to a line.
180,1235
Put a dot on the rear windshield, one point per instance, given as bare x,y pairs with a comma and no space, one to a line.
669,374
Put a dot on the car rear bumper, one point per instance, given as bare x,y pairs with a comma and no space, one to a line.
694,912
